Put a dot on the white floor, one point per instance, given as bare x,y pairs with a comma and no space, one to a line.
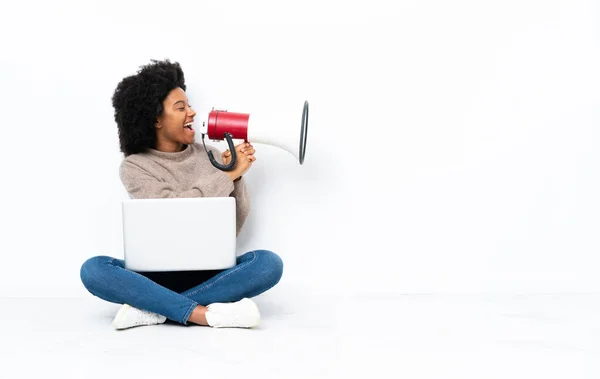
307,336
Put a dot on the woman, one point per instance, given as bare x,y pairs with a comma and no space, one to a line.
162,160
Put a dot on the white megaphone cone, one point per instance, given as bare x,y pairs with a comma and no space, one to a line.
287,132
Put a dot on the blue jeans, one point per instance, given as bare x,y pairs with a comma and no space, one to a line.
107,278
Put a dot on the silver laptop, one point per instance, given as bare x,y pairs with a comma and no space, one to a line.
179,234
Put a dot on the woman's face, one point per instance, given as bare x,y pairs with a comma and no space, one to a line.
174,127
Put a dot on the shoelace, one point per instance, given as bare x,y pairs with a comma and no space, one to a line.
146,317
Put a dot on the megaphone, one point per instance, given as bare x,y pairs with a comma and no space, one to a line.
225,125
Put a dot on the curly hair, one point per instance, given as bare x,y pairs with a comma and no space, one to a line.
138,102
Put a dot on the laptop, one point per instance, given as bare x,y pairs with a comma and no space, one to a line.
179,234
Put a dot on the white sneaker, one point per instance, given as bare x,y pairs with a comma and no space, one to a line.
129,316
241,314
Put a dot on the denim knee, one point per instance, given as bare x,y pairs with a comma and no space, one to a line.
91,272
271,267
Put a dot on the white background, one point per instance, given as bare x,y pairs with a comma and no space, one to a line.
450,145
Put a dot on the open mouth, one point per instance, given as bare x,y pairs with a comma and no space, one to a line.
188,126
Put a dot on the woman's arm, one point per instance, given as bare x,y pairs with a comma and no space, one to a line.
240,191
242,203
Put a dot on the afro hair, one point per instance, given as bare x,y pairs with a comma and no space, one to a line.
138,102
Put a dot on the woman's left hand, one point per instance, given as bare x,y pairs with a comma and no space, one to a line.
244,148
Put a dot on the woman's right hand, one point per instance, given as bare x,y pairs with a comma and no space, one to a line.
245,158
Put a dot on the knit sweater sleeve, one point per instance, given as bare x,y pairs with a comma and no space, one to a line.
141,184
242,203
242,197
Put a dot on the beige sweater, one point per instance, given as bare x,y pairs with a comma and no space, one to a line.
189,173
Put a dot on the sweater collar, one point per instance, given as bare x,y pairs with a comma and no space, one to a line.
177,156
